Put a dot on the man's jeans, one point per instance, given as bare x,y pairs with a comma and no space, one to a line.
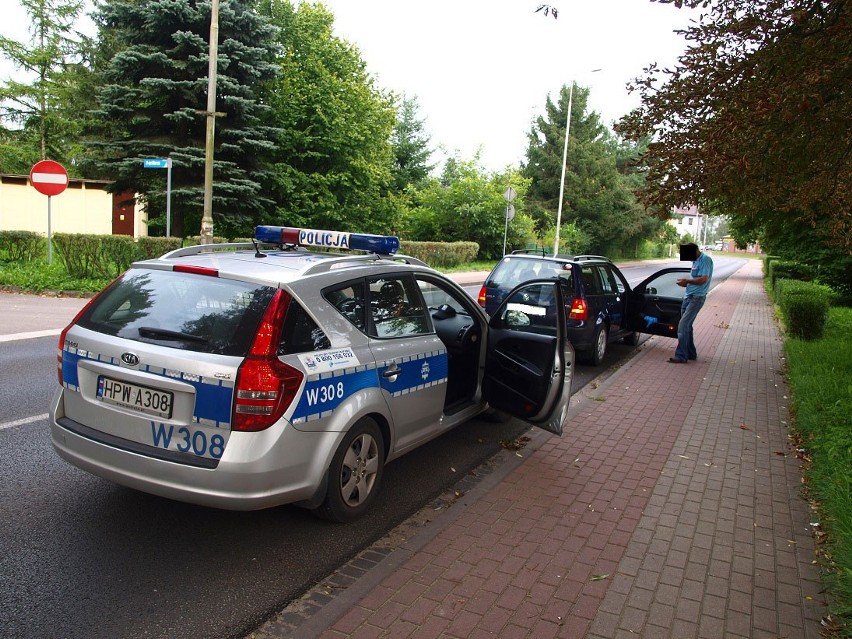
688,311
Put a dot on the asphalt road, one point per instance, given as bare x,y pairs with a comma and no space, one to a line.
82,557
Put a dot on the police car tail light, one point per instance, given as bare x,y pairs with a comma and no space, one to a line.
579,310
481,297
265,385
65,332
196,270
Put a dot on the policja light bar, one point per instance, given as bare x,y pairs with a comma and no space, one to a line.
382,244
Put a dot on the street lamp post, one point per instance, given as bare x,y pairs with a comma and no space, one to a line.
564,162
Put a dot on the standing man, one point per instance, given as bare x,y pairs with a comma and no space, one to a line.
697,285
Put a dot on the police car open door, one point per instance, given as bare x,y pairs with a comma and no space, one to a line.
529,363
654,305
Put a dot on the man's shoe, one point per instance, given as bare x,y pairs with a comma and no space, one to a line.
677,360
692,359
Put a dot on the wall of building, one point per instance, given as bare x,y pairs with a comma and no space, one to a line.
84,207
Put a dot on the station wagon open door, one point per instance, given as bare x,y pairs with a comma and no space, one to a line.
529,364
654,305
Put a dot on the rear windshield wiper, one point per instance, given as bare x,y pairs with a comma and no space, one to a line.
162,333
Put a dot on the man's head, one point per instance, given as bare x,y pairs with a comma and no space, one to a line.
689,252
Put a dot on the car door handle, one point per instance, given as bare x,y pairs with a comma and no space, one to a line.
392,371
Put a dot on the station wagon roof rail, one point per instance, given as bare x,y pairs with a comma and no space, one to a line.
592,257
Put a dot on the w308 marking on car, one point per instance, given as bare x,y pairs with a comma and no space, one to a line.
326,391
196,441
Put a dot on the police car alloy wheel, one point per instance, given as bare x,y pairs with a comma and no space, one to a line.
355,473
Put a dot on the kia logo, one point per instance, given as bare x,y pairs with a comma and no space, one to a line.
130,359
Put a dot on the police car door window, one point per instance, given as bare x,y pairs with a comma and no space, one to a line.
350,302
396,308
531,310
301,333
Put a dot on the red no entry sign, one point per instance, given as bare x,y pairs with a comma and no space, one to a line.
49,177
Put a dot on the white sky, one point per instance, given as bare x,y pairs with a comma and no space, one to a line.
481,70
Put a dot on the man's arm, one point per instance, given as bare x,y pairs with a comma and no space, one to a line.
701,279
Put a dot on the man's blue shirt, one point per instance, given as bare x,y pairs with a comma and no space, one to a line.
702,266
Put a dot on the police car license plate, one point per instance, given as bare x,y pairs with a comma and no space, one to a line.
139,398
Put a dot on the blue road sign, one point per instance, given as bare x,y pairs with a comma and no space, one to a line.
155,163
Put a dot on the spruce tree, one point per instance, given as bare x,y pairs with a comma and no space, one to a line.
152,99
37,120
411,147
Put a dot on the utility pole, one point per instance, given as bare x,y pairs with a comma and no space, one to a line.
207,214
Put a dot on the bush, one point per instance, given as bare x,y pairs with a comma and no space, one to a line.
767,260
87,256
779,269
22,246
441,254
151,247
804,307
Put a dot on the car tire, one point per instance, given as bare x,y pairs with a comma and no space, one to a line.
632,339
599,344
355,473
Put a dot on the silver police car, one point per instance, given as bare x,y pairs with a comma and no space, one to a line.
244,376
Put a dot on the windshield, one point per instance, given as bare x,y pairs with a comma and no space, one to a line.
514,270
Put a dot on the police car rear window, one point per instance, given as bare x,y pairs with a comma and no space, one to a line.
181,310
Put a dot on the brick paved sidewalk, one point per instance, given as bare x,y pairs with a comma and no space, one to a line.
671,507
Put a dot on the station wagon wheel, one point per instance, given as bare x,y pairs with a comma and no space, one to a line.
354,474
599,345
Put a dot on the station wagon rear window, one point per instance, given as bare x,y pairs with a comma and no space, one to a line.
181,310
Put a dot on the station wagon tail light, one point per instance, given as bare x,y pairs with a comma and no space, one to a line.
481,297
265,385
579,309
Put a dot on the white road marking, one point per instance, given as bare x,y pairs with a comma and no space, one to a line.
31,335
25,420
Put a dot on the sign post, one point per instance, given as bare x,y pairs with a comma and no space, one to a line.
164,163
49,178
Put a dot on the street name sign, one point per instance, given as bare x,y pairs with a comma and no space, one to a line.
155,163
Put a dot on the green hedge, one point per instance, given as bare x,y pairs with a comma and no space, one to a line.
441,254
22,246
786,269
88,256
150,247
767,261
804,307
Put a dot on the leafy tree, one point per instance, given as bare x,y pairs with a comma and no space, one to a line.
755,117
333,157
151,100
598,197
411,147
37,117
466,204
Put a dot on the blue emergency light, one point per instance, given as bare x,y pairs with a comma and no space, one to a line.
383,244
